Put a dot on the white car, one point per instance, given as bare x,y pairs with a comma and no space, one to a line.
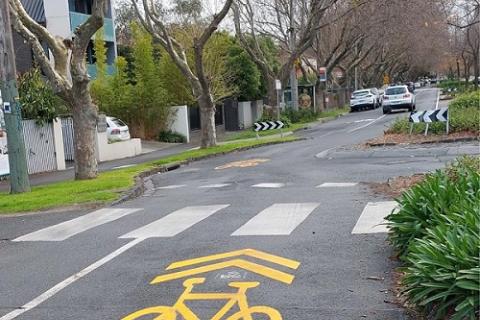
364,99
117,130
398,97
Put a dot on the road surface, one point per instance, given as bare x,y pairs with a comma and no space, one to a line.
293,225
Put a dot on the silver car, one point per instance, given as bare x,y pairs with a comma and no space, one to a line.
398,97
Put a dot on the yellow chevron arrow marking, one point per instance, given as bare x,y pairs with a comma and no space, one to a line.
240,263
292,264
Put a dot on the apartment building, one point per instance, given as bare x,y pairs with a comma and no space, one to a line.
61,17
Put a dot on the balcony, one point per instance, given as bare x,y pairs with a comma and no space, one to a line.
78,18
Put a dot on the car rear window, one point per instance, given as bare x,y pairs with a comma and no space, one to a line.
118,122
360,93
398,90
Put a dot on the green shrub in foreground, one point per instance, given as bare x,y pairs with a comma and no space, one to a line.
467,100
444,272
436,233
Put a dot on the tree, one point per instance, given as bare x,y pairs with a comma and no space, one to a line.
276,19
68,76
141,99
156,23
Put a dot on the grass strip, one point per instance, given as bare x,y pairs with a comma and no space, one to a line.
109,185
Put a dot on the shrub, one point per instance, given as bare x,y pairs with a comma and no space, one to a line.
444,273
435,231
467,100
300,116
37,98
171,137
426,203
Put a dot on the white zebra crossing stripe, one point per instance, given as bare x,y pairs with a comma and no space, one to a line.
173,186
175,222
337,184
67,229
218,185
278,219
372,219
269,185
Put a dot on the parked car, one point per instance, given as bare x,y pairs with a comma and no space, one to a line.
398,97
410,87
117,130
364,99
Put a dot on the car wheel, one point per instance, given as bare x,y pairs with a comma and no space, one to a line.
386,110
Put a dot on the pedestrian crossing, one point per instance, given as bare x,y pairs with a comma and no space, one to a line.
263,185
278,219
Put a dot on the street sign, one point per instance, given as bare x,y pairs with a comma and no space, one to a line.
437,115
278,84
429,116
386,79
267,125
6,107
322,74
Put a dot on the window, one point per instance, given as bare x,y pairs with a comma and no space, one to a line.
395,90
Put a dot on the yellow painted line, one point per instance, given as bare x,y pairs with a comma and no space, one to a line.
240,263
292,264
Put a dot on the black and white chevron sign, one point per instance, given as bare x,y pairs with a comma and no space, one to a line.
267,125
437,115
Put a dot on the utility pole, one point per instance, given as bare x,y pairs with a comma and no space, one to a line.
13,117
293,72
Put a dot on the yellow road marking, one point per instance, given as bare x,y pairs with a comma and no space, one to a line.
240,263
242,164
292,264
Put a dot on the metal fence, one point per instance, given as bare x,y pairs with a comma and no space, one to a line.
40,147
67,131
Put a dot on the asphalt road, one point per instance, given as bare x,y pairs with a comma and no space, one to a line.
302,209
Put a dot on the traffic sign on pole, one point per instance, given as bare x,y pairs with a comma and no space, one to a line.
322,74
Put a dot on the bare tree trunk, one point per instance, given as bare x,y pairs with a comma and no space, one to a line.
207,121
85,115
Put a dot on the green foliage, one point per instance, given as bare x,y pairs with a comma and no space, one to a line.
246,75
454,85
301,115
171,137
467,100
136,92
435,231
284,118
37,98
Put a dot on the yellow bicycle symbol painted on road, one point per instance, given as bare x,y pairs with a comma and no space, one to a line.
238,299
234,301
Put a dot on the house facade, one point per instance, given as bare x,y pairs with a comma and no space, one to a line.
61,17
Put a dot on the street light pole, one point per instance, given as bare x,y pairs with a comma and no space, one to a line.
13,118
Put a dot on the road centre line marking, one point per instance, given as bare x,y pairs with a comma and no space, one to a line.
67,229
337,184
68,281
324,153
368,124
372,219
175,222
269,185
218,185
278,219
173,186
